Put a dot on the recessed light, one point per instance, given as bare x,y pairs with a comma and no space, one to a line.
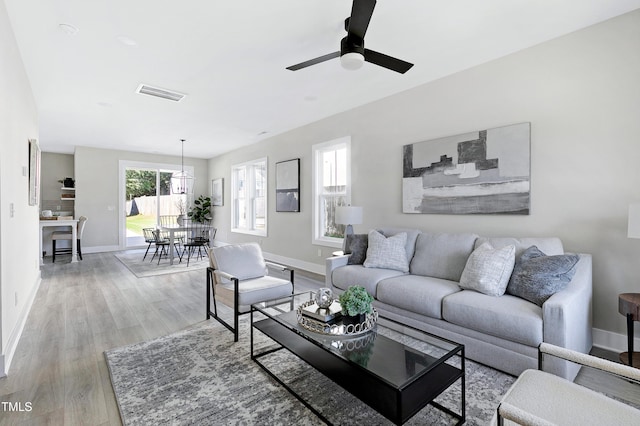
127,41
68,29
310,98
105,104
264,132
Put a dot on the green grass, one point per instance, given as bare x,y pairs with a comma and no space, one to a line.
136,223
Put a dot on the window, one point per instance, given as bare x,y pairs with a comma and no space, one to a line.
249,192
331,188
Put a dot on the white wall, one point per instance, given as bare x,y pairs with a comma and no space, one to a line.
19,262
97,192
581,93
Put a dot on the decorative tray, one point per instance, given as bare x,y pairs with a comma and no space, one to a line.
335,327
323,314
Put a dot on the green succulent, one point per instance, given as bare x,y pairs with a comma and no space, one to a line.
355,301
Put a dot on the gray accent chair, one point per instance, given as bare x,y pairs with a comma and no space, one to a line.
238,277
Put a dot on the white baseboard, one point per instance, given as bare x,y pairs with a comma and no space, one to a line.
101,249
300,264
611,341
14,337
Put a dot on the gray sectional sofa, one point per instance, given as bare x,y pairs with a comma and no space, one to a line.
502,332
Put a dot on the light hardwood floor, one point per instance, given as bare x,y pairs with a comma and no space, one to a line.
80,310
85,308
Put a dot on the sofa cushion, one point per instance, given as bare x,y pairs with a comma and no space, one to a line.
412,235
488,269
387,253
536,276
356,247
422,295
550,245
349,275
508,317
442,255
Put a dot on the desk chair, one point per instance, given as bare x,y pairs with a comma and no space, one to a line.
237,276
67,235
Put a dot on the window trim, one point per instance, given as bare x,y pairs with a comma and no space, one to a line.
316,150
247,165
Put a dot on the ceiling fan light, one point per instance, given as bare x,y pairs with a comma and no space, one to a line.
352,60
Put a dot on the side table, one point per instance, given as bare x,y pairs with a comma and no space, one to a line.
629,305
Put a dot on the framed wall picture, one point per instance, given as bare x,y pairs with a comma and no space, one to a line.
481,172
34,172
217,192
288,186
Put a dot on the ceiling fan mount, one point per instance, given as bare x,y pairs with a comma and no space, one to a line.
352,52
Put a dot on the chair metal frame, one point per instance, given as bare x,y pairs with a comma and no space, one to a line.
211,291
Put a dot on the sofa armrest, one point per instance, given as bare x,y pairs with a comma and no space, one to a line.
567,314
332,263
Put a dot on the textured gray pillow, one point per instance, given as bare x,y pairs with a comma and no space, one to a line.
387,253
488,269
356,246
536,276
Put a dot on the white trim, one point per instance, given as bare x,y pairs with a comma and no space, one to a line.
611,341
295,263
14,337
122,166
250,180
315,150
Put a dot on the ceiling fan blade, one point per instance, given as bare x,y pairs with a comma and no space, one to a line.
386,61
361,12
314,61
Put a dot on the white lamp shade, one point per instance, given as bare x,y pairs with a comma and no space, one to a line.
633,229
349,215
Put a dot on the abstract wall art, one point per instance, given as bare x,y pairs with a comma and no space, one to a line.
483,172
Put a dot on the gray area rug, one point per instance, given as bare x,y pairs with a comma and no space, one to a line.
200,377
132,259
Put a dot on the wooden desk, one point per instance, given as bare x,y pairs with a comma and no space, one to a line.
73,224
629,305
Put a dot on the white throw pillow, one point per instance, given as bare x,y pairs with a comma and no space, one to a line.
387,253
488,269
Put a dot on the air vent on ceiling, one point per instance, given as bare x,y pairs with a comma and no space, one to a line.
145,89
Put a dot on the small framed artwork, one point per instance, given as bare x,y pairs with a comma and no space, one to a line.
217,192
288,186
34,172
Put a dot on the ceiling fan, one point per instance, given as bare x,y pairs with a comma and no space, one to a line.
352,52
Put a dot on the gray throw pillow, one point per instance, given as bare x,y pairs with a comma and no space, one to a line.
488,269
356,247
536,276
387,253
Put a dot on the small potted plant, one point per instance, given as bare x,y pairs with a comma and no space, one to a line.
181,205
356,304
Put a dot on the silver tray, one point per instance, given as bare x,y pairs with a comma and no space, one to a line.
337,328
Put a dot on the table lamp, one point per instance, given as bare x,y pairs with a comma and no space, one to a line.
633,228
348,215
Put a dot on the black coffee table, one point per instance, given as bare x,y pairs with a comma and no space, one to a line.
396,379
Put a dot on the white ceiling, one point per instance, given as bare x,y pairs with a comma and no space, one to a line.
229,57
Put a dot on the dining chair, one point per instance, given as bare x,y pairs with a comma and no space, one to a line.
198,236
238,277
68,235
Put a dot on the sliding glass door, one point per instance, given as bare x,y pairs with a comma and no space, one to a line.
147,197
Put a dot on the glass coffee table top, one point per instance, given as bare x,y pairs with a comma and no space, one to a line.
395,355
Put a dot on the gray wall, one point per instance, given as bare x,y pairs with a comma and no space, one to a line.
581,94
19,259
97,192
